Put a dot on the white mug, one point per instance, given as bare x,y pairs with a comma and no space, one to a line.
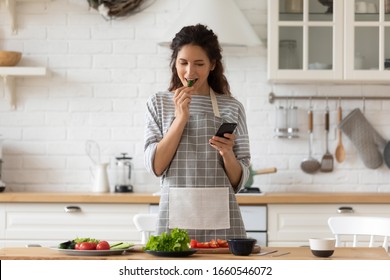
360,7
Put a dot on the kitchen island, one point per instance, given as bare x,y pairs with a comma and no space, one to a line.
282,253
274,219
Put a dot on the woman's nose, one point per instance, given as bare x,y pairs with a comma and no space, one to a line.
190,69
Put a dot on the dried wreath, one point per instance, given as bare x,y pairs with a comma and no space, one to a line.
116,8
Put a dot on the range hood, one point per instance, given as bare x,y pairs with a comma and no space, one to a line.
222,16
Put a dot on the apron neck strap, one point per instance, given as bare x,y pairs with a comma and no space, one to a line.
214,103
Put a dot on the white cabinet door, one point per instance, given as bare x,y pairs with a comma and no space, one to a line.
367,34
255,222
342,45
306,44
48,224
293,225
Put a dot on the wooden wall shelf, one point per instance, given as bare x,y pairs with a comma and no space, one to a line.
10,73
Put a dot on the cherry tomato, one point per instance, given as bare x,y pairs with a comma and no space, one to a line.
87,246
103,245
222,243
77,246
193,243
203,245
213,244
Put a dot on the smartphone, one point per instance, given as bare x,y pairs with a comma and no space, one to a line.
226,128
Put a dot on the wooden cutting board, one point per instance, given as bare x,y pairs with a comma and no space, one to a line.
138,248
255,250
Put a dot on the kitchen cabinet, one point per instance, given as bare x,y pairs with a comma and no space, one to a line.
294,224
49,224
313,44
255,222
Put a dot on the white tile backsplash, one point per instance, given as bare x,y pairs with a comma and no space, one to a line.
100,75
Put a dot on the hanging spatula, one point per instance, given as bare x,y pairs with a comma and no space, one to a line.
327,159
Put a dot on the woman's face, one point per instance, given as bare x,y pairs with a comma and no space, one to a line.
192,63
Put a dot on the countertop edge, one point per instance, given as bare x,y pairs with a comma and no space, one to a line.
149,198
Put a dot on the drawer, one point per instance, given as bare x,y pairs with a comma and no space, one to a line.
35,221
254,217
261,237
295,224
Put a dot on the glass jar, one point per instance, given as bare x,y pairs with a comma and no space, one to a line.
281,122
288,58
387,6
292,122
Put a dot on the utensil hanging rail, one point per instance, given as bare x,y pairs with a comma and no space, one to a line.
272,97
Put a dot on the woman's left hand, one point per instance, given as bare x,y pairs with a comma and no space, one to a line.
223,144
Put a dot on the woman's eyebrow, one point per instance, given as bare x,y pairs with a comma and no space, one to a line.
198,60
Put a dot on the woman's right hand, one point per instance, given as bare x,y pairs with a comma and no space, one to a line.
182,100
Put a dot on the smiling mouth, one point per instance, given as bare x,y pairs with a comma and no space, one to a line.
191,82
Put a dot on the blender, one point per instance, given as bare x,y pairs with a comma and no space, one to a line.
123,174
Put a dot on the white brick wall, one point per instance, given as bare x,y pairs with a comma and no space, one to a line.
102,72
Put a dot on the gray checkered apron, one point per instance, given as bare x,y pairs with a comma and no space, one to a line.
198,165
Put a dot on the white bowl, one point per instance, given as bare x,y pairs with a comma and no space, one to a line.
322,247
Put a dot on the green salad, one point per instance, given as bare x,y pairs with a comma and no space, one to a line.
175,241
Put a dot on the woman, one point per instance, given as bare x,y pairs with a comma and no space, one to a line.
200,172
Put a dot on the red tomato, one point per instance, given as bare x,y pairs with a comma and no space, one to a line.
77,246
193,243
203,245
222,243
213,244
103,245
87,246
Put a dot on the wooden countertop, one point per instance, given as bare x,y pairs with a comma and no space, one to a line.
283,253
243,199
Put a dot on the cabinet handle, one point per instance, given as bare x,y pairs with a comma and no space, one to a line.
72,209
345,210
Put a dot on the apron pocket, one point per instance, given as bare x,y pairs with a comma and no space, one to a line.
199,208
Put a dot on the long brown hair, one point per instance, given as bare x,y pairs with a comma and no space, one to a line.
200,35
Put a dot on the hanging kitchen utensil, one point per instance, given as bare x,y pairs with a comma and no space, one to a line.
340,151
93,151
327,159
386,154
368,142
310,165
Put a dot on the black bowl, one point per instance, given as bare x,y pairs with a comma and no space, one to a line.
241,246
322,253
2,189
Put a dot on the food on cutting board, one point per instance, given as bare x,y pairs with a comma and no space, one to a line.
93,244
219,243
176,241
